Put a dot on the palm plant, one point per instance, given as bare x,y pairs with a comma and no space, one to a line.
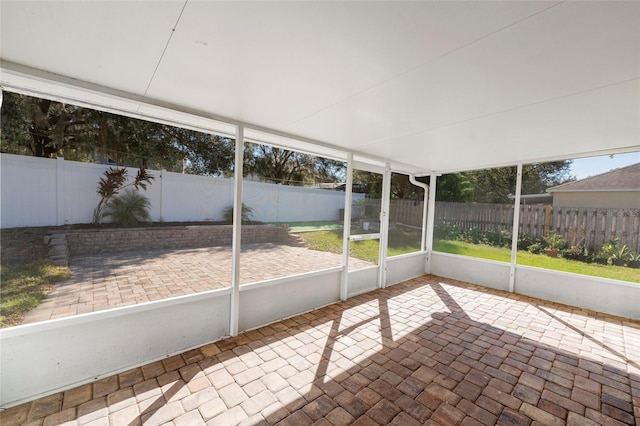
245,214
112,182
128,209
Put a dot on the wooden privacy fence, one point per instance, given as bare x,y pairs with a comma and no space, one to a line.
594,227
408,212
467,216
588,227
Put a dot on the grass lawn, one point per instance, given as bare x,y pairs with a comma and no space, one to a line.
24,287
310,226
538,260
482,251
400,242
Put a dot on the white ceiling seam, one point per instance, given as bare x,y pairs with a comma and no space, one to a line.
481,31
423,134
424,64
575,126
112,44
296,143
146,90
631,70
426,86
27,81
515,108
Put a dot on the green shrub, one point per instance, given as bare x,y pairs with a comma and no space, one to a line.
112,182
500,239
536,248
576,253
613,254
554,241
448,232
525,241
247,212
609,254
474,236
128,209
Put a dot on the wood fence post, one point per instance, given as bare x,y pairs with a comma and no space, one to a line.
547,219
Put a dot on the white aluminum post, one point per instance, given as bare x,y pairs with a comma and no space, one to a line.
423,223
237,234
425,202
514,231
384,227
348,197
431,218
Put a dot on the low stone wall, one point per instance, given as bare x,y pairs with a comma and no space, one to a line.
94,241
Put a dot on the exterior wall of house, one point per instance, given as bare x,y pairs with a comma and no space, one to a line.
598,199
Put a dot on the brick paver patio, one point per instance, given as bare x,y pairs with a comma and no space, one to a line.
107,281
427,351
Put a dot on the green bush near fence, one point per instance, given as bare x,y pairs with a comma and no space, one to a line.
612,253
474,236
503,254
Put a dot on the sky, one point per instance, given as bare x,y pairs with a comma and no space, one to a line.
585,167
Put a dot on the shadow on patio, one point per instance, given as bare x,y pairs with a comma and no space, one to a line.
428,351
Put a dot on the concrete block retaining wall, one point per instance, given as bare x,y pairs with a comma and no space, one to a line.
94,241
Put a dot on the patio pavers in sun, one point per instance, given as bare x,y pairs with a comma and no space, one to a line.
105,281
428,351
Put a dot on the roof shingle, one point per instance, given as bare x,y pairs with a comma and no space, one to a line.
625,179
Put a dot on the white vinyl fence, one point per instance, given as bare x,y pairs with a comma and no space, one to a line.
48,192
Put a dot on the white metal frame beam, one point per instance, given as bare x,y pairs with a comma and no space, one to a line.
237,233
431,218
344,283
384,227
425,202
515,229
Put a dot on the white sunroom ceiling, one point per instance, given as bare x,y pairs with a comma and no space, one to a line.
430,86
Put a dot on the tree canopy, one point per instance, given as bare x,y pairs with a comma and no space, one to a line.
454,187
41,127
401,188
496,185
44,128
482,186
278,165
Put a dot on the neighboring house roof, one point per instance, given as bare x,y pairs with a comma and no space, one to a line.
622,179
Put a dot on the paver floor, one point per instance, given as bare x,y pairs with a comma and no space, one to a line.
428,351
107,281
